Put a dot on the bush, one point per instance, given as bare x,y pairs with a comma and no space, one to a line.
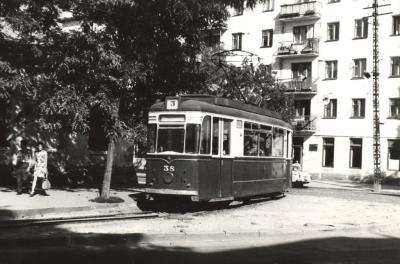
289,15
309,13
65,171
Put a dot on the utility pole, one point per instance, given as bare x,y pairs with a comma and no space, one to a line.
376,114
375,75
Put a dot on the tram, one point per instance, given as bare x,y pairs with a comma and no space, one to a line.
207,148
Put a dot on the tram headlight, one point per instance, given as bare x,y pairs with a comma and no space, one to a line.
168,178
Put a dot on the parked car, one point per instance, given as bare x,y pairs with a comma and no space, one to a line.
299,178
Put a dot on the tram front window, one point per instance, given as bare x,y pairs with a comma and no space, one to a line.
171,139
151,137
192,138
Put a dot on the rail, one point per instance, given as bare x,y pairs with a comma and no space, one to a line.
297,85
304,123
297,48
298,10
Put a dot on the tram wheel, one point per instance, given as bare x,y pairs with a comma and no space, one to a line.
278,195
143,203
246,200
224,204
297,184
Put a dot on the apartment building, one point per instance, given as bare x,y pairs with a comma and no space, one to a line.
320,51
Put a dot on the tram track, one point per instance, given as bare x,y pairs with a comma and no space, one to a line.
163,212
77,219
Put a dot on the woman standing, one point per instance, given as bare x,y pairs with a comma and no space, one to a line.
40,169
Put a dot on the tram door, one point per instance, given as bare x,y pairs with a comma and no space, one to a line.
222,135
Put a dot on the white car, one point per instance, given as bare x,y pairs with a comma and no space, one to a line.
299,178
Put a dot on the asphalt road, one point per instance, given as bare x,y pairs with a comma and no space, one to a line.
306,226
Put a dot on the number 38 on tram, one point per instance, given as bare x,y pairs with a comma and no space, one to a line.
215,149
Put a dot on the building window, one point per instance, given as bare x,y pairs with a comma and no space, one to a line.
394,104
333,1
238,11
358,108
360,66
302,33
396,25
355,152
395,66
237,41
301,108
333,31
394,154
361,28
331,70
328,152
267,36
330,109
268,5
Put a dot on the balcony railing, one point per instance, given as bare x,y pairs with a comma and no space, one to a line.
307,48
308,10
304,124
301,85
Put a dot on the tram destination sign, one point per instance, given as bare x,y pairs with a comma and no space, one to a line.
172,104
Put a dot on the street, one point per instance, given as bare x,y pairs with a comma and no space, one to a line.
309,225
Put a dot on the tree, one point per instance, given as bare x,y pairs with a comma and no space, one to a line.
248,83
125,55
22,79
157,43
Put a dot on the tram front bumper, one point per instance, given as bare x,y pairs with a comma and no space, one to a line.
168,191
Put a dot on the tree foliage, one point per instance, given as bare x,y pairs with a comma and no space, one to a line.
247,82
124,56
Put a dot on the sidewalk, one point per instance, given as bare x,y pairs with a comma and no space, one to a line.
351,185
64,203
61,203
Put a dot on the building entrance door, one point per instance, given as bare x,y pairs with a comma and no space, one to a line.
298,150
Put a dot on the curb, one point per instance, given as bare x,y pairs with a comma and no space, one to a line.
353,187
45,213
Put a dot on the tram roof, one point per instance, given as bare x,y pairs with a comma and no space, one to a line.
223,106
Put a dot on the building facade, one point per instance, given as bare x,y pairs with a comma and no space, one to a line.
321,52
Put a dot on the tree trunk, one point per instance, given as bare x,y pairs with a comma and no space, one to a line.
105,190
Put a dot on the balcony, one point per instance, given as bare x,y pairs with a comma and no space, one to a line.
304,124
292,49
300,11
298,86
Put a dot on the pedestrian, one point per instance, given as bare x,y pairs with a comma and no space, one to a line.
296,166
40,168
22,161
251,146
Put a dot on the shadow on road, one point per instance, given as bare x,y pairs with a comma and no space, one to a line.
132,248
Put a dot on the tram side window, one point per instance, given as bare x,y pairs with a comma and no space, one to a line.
277,142
205,144
151,138
227,138
265,141
192,138
250,147
215,140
